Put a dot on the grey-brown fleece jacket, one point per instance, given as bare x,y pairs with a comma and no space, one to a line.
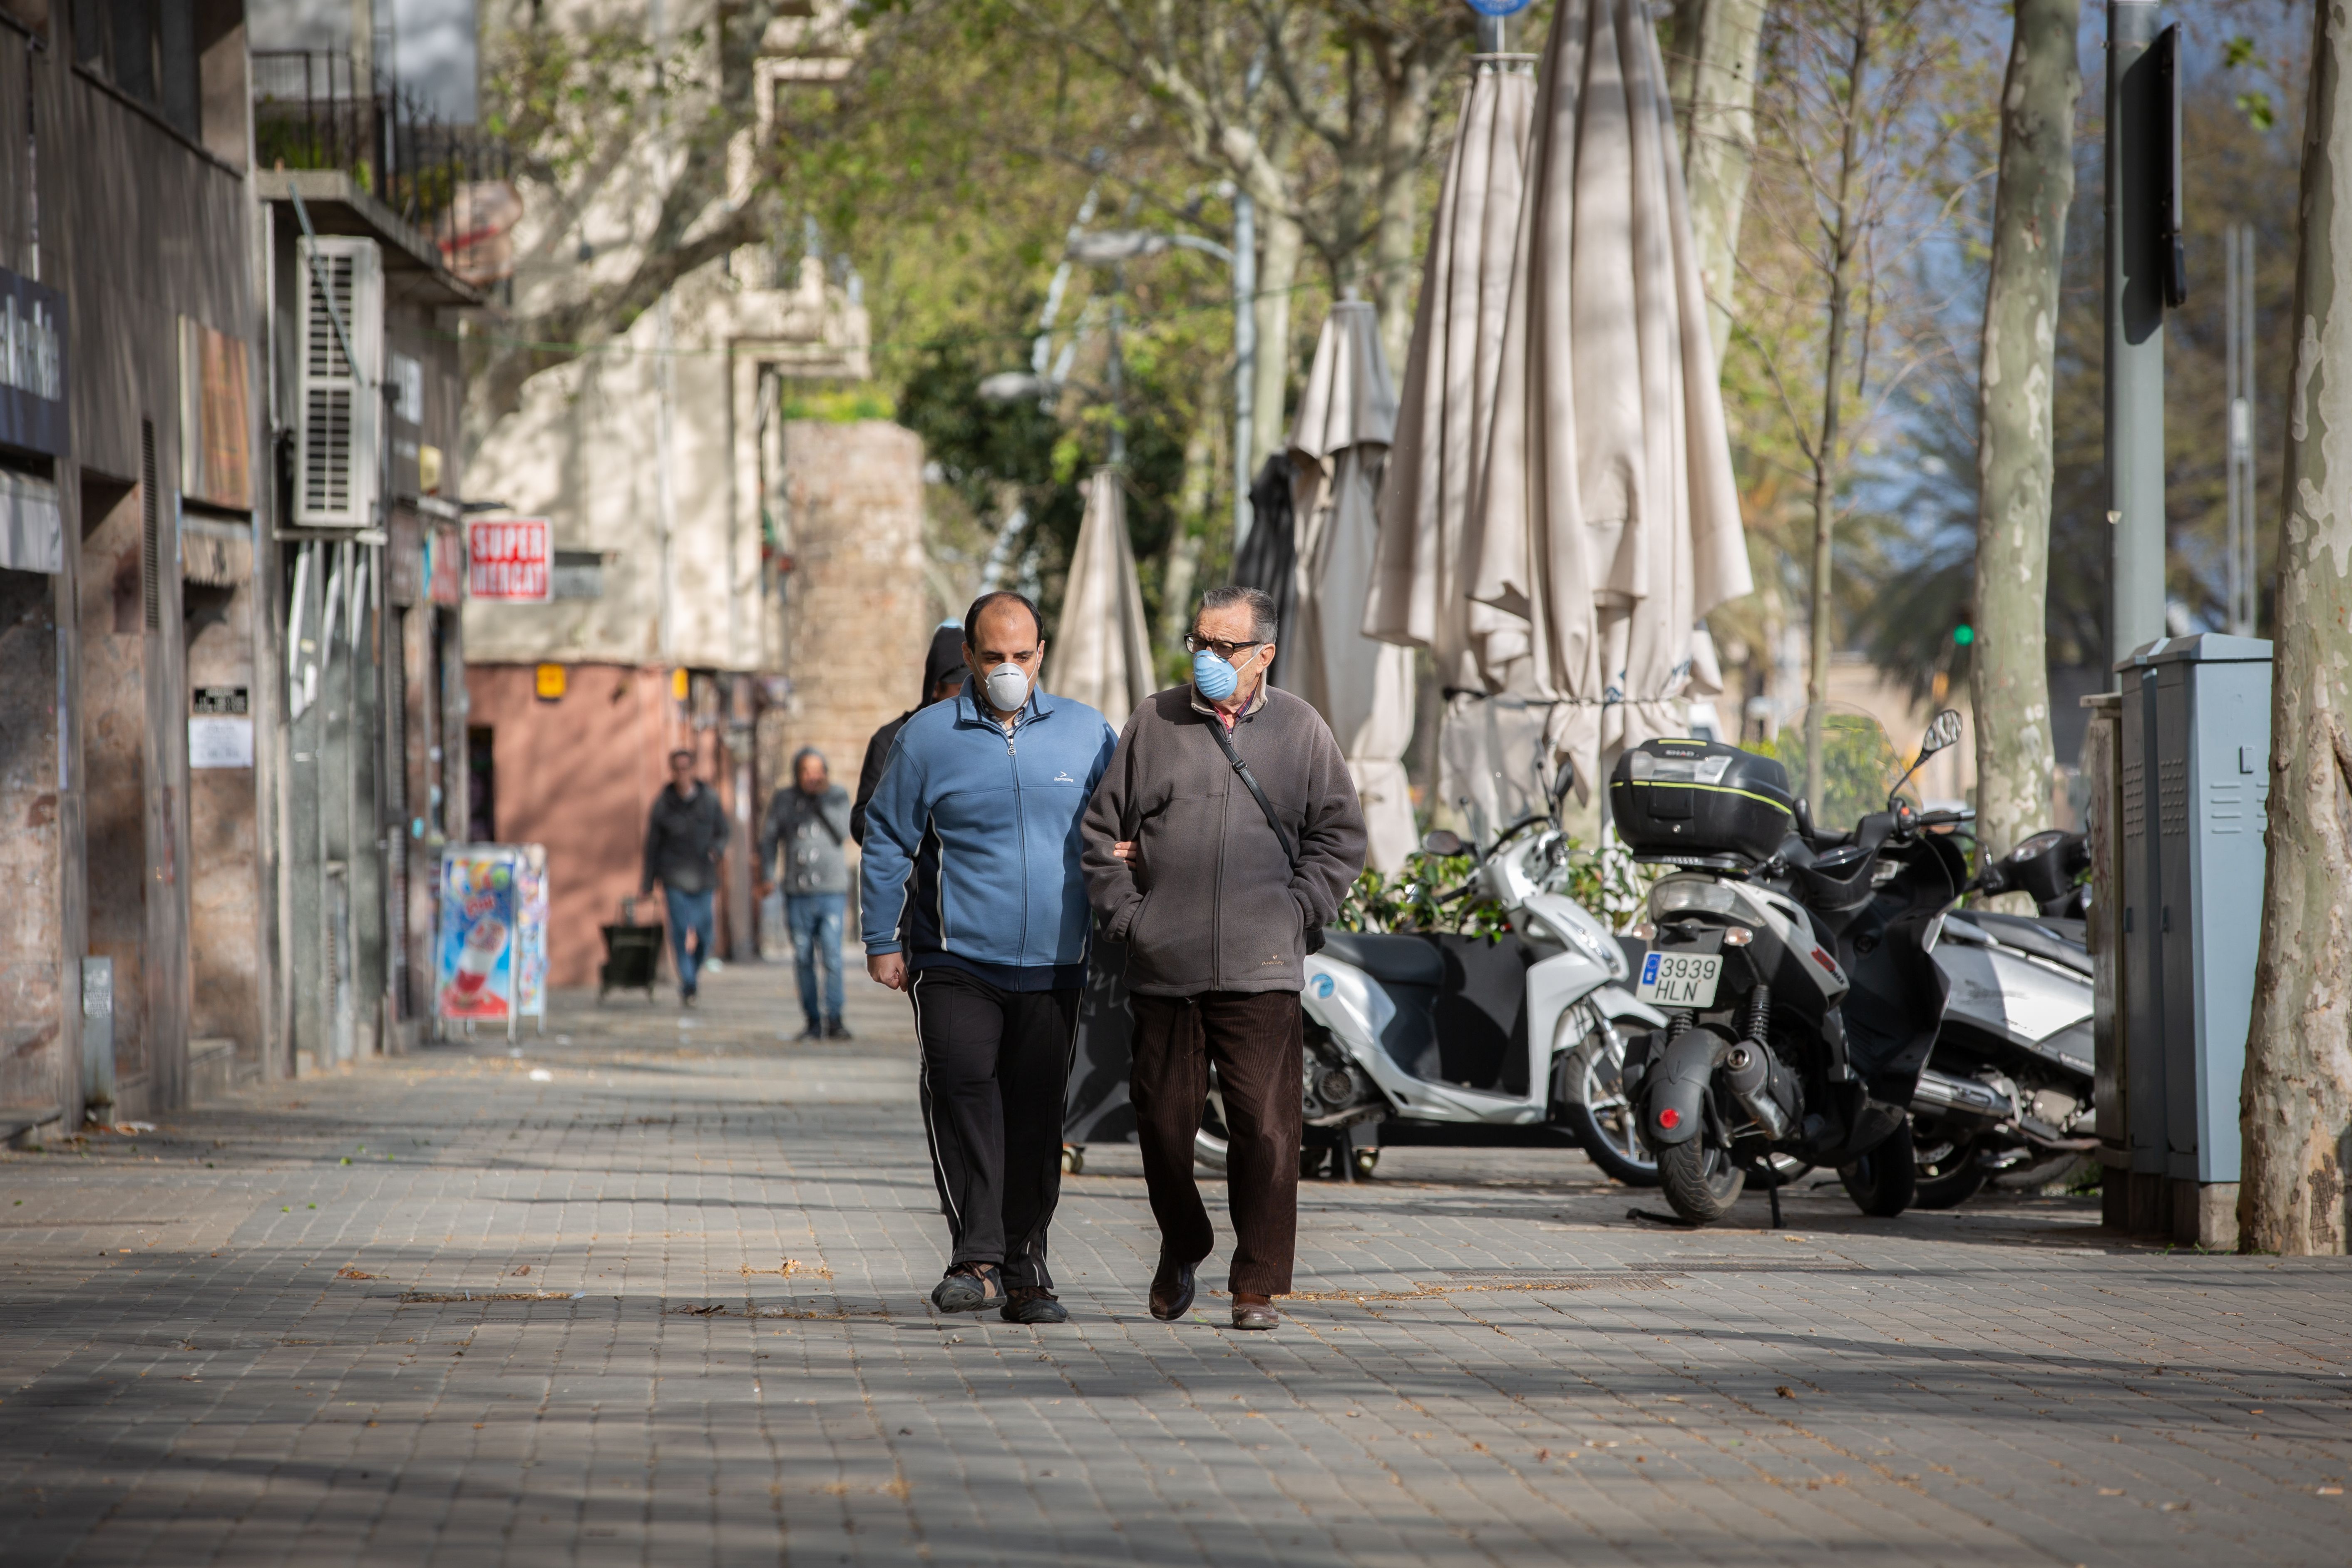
1210,903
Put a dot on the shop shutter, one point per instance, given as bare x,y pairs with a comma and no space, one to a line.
340,405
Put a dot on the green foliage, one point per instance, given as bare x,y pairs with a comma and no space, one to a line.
1608,880
843,405
1408,901
1605,881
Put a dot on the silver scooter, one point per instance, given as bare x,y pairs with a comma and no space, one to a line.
2007,1091
1442,1029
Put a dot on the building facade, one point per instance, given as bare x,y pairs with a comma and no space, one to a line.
131,464
728,576
724,576
362,259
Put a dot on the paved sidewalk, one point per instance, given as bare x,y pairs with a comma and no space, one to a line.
653,1291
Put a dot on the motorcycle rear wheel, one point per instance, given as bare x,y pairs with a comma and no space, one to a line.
1701,1183
1884,1182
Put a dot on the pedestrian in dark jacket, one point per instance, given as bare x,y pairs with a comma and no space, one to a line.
809,820
1214,906
943,672
686,833
973,905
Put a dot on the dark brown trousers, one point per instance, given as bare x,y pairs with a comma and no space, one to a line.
1255,1039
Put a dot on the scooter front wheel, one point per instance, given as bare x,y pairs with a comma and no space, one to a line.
1595,1109
1883,1182
1949,1170
1208,1145
1701,1184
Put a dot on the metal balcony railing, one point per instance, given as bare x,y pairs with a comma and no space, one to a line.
310,111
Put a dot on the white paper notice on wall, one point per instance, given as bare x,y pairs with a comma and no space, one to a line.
220,740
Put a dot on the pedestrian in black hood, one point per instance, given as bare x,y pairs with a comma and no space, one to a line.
943,673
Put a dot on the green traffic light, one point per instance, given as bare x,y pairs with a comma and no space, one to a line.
1964,633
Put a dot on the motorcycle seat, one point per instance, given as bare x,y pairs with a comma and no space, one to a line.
1400,960
2028,934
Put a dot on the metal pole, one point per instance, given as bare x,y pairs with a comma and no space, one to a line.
2136,170
2248,531
2235,412
1117,369
1493,34
1245,360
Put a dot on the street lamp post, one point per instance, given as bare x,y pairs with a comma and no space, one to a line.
2142,269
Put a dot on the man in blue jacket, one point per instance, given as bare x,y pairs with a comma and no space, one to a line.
972,836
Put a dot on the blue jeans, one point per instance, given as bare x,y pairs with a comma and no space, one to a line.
814,920
689,912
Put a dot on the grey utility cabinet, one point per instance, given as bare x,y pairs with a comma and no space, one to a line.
2194,779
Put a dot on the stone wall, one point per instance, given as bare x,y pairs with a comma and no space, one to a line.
33,1015
857,617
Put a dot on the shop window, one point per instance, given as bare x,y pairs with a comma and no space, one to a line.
183,60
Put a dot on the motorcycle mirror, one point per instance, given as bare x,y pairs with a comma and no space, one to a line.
1562,778
1442,842
1943,733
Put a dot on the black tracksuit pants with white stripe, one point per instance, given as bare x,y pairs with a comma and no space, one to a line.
995,1064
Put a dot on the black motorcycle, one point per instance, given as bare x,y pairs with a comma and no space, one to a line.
1796,968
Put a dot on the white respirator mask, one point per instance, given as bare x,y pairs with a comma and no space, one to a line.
1008,686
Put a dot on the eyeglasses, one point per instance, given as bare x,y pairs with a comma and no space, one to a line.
1228,651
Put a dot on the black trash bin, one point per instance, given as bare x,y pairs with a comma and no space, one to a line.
632,954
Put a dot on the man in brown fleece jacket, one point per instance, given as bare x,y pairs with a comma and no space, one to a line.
1183,866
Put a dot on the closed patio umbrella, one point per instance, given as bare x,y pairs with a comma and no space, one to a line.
1269,558
1607,521
1347,415
1102,653
1419,596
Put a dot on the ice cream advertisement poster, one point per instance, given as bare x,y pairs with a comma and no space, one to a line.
474,964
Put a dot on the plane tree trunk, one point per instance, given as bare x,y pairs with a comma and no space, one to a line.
1711,76
2009,678
2295,1110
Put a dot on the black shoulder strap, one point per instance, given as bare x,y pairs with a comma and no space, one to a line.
1225,744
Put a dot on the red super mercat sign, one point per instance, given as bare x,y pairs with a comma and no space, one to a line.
507,558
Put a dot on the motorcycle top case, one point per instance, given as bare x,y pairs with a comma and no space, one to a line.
1700,802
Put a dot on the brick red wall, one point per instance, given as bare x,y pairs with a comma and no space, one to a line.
579,776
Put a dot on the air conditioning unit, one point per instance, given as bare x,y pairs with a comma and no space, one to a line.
338,417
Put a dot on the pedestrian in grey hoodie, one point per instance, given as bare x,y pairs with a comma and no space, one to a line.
809,821
1216,903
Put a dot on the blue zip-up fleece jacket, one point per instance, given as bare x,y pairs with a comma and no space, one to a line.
974,833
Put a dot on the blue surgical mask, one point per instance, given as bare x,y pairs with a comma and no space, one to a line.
1216,679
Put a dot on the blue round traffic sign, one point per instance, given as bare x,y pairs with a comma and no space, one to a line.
1499,7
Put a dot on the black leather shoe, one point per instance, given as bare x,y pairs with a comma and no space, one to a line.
1033,1304
834,1029
1171,1290
1256,1315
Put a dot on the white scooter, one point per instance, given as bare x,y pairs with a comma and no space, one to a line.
1441,1027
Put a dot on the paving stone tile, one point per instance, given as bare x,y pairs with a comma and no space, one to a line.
225,1344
